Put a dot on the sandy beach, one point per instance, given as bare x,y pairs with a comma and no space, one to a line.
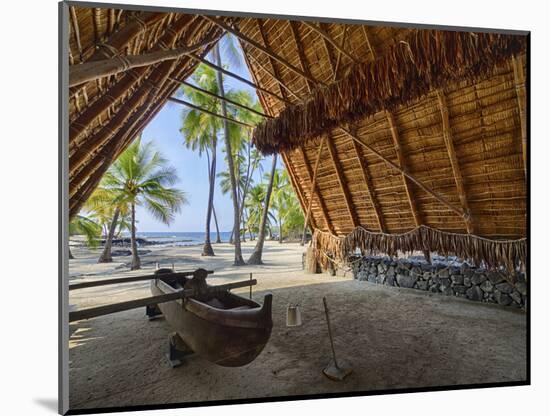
390,337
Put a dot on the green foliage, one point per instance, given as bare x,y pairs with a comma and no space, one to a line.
91,230
141,176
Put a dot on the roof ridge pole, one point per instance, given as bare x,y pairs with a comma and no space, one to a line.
313,184
519,81
448,139
342,181
256,45
370,188
456,210
402,163
90,71
317,192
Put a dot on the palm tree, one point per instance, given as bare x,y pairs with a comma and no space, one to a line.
280,196
238,261
81,225
141,176
256,257
107,204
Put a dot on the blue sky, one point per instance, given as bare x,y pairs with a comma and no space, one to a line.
163,130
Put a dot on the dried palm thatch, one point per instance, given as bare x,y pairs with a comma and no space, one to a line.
426,60
480,251
425,130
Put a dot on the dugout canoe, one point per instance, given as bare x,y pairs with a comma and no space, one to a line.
226,329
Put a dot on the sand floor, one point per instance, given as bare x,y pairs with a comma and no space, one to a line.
391,337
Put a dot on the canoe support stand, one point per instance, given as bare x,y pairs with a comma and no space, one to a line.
153,312
177,350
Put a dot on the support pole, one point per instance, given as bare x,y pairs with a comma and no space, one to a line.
312,190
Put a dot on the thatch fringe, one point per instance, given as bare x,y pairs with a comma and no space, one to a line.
427,60
493,254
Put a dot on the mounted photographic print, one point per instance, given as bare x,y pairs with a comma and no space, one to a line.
261,208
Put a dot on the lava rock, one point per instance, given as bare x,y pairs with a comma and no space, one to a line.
486,286
390,280
457,279
495,277
474,293
521,287
443,273
406,281
460,289
502,298
422,285
516,297
505,288
467,282
478,278
445,283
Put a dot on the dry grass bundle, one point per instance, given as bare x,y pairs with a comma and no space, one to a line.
493,254
427,60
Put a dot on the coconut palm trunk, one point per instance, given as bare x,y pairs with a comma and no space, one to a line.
218,236
256,257
136,264
106,255
236,217
280,230
207,249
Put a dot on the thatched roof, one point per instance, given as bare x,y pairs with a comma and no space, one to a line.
398,129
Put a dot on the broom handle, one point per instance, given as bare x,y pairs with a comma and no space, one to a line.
330,332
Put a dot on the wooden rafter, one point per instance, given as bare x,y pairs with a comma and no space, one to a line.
405,173
402,163
271,61
367,39
219,97
301,54
237,77
301,198
448,138
369,186
280,83
342,180
316,192
76,31
519,81
325,35
339,56
313,185
211,113
257,46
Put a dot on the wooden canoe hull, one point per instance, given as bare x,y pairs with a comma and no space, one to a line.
227,337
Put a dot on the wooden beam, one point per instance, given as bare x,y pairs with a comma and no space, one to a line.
519,81
151,300
90,71
227,100
280,83
316,192
369,44
298,189
243,80
301,54
269,58
313,185
258,46
398,168
402,163
325,35
204,110
447,137
342,181
339,56
369,185
76,32
130,279
121,87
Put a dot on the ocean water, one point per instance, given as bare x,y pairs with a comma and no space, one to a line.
172,238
